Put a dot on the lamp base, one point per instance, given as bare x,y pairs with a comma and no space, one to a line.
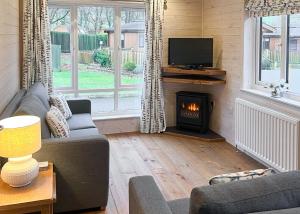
19,172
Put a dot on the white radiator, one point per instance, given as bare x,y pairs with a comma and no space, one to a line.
271,136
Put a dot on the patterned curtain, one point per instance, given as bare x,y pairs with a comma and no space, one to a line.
36,44
153,114
260,8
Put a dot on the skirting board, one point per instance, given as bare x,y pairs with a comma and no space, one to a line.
210,136
114,126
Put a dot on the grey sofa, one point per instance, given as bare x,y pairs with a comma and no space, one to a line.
277,194
81,161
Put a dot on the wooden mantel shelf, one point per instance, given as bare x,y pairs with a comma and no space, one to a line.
192,76
202,72
194,80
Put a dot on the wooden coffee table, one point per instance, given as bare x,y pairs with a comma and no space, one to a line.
39,196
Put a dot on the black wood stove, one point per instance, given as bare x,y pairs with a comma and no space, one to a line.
192,111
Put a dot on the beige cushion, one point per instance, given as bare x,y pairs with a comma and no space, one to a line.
237,176
57,123
59,101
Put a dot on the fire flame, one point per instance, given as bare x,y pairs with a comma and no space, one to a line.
193,107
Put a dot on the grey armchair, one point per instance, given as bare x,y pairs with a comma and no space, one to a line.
279,193
82,171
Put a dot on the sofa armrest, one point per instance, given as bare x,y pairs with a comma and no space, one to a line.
145,197
284,211
279,191
79,106
82,170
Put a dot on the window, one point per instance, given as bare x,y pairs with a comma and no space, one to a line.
293,44
266,43
60,24
278,52
91,59
141,40
122,40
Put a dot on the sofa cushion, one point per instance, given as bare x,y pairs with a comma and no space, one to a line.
81,121
180,206
57,123
38,90
84,132
31,105
279,191
285,211
59,101
13,105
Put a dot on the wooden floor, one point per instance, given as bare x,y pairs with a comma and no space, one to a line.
177,163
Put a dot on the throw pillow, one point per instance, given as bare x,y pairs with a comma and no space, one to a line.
32,105
59,101
57,123
237,176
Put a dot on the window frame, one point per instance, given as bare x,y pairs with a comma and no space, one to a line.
71,46
284,74
118,86
258,50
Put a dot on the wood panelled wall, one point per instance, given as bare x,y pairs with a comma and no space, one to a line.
183,18
9,50
223,20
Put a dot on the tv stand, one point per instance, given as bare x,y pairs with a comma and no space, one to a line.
190,67
205,76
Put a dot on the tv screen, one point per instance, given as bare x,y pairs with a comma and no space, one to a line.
191,52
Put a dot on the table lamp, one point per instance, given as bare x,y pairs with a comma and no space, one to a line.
20,137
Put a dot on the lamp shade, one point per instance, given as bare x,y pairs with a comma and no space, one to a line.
20,136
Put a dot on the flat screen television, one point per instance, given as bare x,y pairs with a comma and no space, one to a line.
191,52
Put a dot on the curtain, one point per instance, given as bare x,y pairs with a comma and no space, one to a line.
36,44
153,114
260,8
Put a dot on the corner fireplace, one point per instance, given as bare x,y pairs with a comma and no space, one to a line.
192,111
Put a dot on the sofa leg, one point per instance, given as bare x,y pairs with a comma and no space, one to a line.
102,208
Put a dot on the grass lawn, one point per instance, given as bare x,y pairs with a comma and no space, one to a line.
91,80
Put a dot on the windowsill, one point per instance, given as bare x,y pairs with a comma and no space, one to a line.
116,117
281,100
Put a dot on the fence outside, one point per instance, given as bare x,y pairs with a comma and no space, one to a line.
130,55
275,56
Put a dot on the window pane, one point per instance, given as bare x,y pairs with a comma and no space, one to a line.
132,44
102,102
294,53
60,27
95,33
130,100
270,56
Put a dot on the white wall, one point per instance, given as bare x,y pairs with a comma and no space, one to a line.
9,50
118,125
